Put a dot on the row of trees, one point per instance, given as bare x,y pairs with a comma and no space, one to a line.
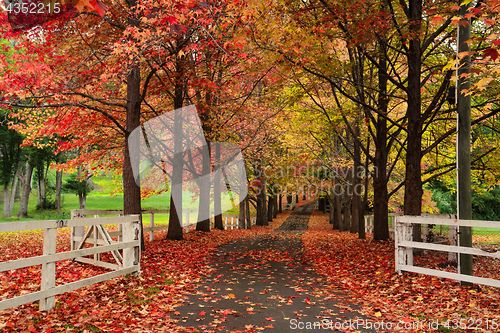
349,85
20,165
375,77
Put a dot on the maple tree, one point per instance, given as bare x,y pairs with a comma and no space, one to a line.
169,59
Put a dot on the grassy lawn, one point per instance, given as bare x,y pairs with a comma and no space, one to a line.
101,198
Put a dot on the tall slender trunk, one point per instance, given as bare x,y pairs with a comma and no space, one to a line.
264,206
175,218
204,197
380,196
347,202
25,192
40,184
280,203
362,227
338,205
270,208
241,216
356,182
217,190
131,190
57,203
82,197
12,198
247,208
6,199
413,177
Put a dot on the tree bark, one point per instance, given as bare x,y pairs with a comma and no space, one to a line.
413,177
280,204
13,194
241,216
204,197
6,199
356,189
338,207
175,218
270,205
217,191
131,190
247,208
59,175
380,196
25,192
365,195
347,202
275,206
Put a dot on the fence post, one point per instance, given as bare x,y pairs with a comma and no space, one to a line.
398,235
48,269
407,258
76,231
120,230
151,225
452,256
132,255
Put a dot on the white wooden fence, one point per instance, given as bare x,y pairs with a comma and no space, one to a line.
129,262
369,224
230,221
404,247
392,216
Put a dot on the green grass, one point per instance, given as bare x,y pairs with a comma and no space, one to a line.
101,198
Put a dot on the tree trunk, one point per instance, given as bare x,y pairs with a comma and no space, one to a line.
59,175
362,231
264,207
270,208
175,218
132,190
333,212
247,208
6,199
280,204
338,207
347,202
82,197
413,177
18,188
40,185
275,206
380,196
204,197
356,182
13,194
241,216
26,190
217,190
82,200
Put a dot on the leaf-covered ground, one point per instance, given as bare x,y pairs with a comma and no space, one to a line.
365,269
352,274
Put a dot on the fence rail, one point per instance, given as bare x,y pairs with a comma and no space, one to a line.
230,221
130,262
404,247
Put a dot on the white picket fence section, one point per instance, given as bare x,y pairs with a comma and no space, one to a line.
404,247
129,262
230,221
